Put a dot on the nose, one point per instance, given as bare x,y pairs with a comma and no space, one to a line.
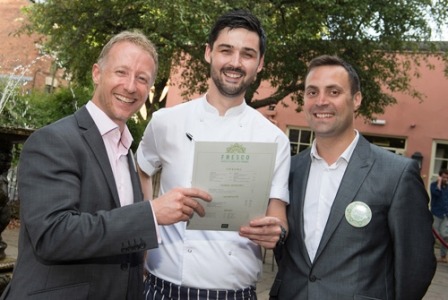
321,99
130,84
236,60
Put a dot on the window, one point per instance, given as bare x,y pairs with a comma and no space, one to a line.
393,144
300,139
440,158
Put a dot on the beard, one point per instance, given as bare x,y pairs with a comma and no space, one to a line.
231,90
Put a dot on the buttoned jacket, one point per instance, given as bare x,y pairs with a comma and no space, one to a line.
391,257
76,242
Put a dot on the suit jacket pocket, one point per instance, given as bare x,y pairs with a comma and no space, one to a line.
273,293
79,291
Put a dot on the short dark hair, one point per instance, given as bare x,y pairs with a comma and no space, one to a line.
329,60
443,171
238,18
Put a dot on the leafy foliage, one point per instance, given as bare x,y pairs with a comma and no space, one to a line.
367,33
38,108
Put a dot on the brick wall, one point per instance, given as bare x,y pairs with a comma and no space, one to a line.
19,55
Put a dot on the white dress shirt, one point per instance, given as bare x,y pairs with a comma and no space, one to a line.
206,259
322,186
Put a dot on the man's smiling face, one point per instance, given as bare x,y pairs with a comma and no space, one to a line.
123,81
329,105
235,60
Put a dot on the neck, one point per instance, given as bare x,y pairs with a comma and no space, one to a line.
331,148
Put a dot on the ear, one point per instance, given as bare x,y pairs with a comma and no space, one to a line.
357,99
207,54
96,73
260,64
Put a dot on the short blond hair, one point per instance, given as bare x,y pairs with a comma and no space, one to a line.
135,37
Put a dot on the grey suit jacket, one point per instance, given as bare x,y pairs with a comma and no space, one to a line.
390,258
76,242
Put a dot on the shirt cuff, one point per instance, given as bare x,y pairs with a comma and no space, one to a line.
159,238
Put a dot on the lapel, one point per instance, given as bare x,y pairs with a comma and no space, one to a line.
298,188
358,167
93,138
136,188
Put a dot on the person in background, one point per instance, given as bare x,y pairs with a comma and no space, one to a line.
439,208
84,223
199,264
359,223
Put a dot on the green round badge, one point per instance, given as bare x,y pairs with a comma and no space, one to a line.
358,214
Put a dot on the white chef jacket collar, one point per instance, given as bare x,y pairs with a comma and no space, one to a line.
233,111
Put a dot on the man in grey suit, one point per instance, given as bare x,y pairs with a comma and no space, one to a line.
84,223
359,222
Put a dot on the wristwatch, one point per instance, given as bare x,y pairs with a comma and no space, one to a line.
283,234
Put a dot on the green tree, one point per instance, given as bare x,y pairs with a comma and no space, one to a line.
38,108
367,33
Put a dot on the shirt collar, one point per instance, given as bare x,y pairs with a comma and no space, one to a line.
345,155
106,125
233,111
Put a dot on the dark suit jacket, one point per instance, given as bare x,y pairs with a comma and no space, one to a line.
76,242
390,258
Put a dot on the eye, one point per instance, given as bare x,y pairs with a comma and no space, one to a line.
143,79
311,93
335,92
247,55
120,72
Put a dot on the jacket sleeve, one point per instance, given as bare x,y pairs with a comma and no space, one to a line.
410,222
435,191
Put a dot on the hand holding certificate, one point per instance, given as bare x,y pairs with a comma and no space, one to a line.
238,175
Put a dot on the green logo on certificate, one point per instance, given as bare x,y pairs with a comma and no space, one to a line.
236,148
235,153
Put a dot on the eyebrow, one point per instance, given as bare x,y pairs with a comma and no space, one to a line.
247,49
334,86
310,87
331,86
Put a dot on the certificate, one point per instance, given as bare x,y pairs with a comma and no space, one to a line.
238,175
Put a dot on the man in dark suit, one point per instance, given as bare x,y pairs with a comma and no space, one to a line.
84,223
359,222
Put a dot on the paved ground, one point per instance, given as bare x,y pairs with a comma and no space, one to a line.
437,291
